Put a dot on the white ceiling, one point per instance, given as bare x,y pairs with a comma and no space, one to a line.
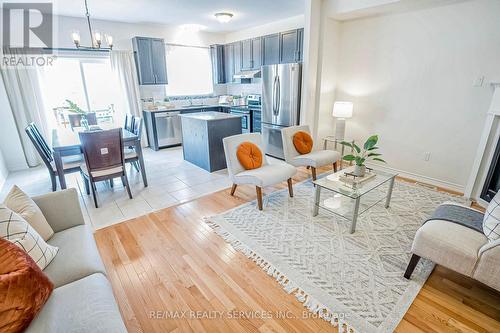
247,13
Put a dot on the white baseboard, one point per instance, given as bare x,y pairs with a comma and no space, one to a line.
420,178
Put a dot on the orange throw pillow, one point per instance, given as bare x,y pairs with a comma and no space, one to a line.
303,142
249,155
24,288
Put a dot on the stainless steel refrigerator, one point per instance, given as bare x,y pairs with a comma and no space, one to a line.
280,103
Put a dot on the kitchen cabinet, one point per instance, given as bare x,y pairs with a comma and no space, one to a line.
246,55
217,55
300,47
228,62
237,58
149,54
271,49
256,53
291,46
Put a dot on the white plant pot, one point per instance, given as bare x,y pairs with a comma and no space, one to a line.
359,170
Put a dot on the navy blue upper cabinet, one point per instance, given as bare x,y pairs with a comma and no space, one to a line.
149,54
251,53
246,54
300,47
217,55
228,63
291,46
256,53
237,58
159,61
271,49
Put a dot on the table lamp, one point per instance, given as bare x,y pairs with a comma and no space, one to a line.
341,111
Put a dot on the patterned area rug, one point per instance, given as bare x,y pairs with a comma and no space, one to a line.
352,280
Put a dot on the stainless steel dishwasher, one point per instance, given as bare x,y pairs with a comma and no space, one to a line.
168,128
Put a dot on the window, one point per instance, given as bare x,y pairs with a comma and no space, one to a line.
88,82
189,71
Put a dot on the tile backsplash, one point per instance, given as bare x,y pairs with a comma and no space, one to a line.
157,93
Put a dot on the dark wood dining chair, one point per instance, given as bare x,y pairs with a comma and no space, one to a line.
75,120
131,155
104,159
71,164
129,122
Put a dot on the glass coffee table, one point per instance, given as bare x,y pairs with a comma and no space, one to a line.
350,201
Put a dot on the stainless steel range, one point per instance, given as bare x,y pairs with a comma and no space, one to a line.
250,114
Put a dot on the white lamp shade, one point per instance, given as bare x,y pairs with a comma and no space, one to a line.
342,109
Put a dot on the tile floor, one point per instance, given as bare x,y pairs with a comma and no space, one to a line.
171,181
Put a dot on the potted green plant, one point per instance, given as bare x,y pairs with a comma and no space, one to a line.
360,156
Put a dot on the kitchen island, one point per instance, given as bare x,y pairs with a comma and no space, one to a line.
202,134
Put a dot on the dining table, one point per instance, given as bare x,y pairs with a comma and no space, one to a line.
66,142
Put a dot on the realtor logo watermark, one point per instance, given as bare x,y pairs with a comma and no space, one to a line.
27,33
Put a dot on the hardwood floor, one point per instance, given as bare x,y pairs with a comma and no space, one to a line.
169,262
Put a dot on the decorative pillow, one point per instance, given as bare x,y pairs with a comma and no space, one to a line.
20,203
24,288
249,155
16,230
303,142
491,221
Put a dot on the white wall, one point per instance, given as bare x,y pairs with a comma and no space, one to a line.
290,23
410,76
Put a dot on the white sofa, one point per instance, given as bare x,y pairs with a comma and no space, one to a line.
458,248
82,300
266,175
315,159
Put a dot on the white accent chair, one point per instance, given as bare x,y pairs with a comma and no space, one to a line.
458,248
315,159
266,175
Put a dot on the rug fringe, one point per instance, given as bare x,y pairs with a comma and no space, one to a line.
308,301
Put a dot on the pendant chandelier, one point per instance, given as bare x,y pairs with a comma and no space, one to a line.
96,37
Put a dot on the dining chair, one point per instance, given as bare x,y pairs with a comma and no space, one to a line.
104,159
70,163
75,120
131,155
129,120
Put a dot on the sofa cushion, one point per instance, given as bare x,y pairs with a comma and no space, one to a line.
22,204
317,158
449,244
24,288
78,256
491,221
16,230
86,305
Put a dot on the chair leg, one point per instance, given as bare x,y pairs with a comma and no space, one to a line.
335,168
94,190
313,171
85,183
259,197
233,189
53,181
411,265
290,187
125,183
136,165
111,183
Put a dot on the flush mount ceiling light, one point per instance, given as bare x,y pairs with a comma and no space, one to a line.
223,17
